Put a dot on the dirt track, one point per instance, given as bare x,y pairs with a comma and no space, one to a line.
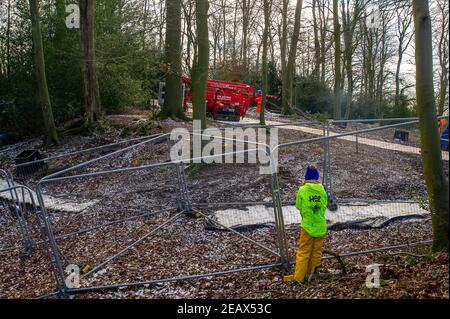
362,140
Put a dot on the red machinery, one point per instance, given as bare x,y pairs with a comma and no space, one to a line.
227,101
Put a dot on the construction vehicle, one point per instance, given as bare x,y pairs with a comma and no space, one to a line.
228,101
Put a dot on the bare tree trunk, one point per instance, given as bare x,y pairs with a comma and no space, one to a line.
144,24
245,22
8,45
443,53
404,21
224,31
290,68
88,67
173,104
316,43
443,87
381,77
323,48
337,62
234,33
283,45
187,16
200,70
265,83
433,171
50,128
258,55
350,21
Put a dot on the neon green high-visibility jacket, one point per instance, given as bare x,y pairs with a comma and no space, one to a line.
312,201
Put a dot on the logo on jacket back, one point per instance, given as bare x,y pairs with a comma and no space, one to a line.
314,199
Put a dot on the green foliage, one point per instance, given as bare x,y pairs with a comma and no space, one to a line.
274,79
4,158
101,126
321,117
128,72
313,96
118,88
364,108
405,108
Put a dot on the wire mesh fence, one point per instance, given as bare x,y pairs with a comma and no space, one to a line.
99,208
85,233
375,177
121,215
30,165
18,220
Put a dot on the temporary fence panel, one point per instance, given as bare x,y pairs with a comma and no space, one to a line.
28,169
375,182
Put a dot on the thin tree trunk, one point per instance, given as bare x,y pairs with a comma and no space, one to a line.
323,49
224,32
443,52
283,45
337,62
234,32
144,24
290,68
316,43
433,171
442,93
404,21
265,82
8,46
49,123
245,22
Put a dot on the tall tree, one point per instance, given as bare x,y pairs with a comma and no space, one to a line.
265,82
383,57
288,76
224,29
337,62
8,45
404,37
173,97
246,7
433,171
350,19
188,17
200,68
443,52
317,51
49,122
283,35
88,65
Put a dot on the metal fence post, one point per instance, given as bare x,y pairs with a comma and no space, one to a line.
50,243
19,209
183,200
327,159
278,215
357,144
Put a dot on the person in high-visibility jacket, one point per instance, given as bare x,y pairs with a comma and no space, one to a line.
312,201
442,124
258,100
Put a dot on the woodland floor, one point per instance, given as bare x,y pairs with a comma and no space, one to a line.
186,247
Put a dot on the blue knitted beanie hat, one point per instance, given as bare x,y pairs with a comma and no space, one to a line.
312,173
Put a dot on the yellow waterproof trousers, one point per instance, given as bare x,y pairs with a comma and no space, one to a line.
309,255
